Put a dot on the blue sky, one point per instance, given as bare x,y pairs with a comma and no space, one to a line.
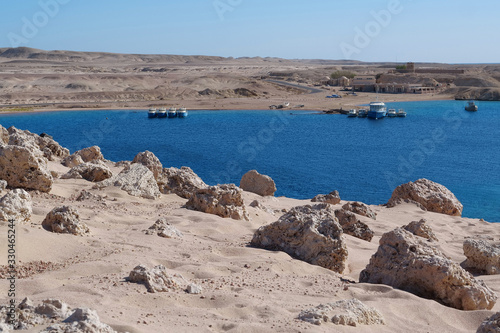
451,31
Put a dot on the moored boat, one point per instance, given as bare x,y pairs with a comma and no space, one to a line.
471,106
377,110
391,113
182,113
161,113
172,112
362,113
401,113
352,113
152,113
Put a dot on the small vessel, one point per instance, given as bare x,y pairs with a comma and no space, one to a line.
471,106
172,112
161,113
152,113
362,113
401,113
391,113
352,113
377,110
182,113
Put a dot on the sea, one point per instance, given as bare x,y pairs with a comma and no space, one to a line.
306,152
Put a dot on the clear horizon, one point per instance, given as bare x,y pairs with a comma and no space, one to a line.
454,32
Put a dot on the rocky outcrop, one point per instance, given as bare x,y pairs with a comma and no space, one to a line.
409,263
72,161
86,195
4,136
309,233
150,161
137,181
351,225
82,320
24,168
350,312
163,229
490,325
421,229
360,209
65,220
254,182
433,196
89,171
183,182
16,205
222,200
45,144
90,154
157,279
331,198
57,314
482,256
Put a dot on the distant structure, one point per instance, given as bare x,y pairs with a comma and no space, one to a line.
410,68
364,83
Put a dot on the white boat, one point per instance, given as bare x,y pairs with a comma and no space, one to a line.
182,113
471,106
152,113
401,113
352,113
377,110
172,112
362,113
391,113
161,113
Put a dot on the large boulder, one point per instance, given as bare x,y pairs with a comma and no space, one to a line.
432,196
150,161
254,182
16,205
490,324
137,181
183,182
351,225
331,198
360,209
421,229
89,154
65,220
409,263
24,168
82,320
157,279
223,200
481,256
350,312
309,233
93,172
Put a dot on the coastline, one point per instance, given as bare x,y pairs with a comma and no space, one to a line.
313,102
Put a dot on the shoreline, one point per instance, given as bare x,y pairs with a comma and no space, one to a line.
311,102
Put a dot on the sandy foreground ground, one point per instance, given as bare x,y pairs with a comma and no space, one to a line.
245,289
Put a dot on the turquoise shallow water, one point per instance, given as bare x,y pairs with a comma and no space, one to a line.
307,153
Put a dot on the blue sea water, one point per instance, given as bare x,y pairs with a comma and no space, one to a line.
306,153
